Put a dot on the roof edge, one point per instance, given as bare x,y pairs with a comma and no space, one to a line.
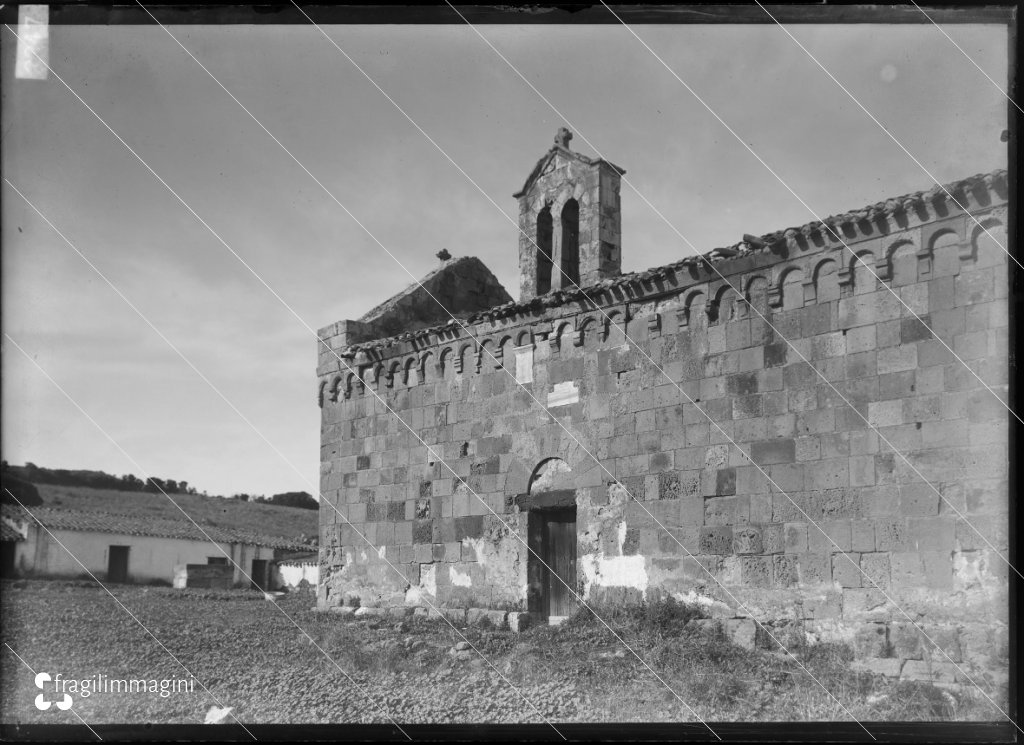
832,226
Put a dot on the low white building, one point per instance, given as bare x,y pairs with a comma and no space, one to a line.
131,548
293,569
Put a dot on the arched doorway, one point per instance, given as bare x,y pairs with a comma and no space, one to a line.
551,536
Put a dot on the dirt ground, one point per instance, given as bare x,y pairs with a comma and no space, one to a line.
282,662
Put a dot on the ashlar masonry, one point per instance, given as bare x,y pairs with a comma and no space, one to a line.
866,484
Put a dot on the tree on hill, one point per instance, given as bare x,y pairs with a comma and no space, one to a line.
33,474
16,491
302,500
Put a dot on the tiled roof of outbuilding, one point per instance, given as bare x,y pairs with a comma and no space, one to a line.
7,533
121,524
300,557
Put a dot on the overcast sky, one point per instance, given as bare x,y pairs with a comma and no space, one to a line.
614,93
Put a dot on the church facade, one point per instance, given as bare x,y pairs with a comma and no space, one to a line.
807,427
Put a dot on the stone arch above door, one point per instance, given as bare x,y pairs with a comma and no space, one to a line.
551,485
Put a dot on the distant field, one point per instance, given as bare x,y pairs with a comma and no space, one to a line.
288,522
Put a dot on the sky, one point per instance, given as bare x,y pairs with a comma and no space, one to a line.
252,341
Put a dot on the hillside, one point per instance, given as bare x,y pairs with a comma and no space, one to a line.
267,519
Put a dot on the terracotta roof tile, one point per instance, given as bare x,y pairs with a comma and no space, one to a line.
7,533
157,527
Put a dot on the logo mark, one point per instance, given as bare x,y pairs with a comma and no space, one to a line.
42,703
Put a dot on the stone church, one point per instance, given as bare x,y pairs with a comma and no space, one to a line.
633,436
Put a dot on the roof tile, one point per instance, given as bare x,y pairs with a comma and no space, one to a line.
157,527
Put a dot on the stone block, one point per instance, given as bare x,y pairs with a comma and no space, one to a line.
760,508
725,481
866,604
786,573
827,474
742,384
932,533
518,622
862,470
775,354
746,540
897,385
719,511
828,536
746,407
885,413
860,339
767,452
469,527
660,462
455,615
741,631
670,485
496,618
906,570
795,538
444,530
816,421
814,568
938,569
984,407
846,570
862,535
364,611
906,641
888,667
750,480
862,365
871,640
876,568
896,359
892,535
772,538
715,540
756,571
788,478
422,531
922,670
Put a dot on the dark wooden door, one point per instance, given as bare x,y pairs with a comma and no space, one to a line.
559,544
117,564
259,574
7,567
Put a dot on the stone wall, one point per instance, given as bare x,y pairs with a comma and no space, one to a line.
679,509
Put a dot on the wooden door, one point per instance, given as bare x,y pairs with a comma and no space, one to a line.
259,574
117,564
559,528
